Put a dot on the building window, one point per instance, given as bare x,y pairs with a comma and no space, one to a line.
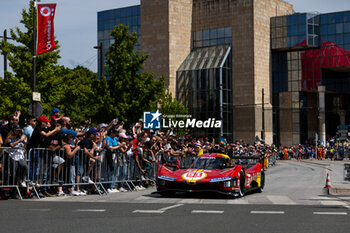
211,37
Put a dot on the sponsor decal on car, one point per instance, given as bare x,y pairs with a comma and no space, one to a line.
166,178
220,179
194,175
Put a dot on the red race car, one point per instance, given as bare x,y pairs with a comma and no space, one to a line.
213,173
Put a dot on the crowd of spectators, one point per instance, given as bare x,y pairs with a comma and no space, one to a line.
127,152
332,150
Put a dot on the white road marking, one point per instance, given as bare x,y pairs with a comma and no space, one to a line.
90,210
148,211
143,198
266,212
333,203
280,200
207,211
331,213
321,198
160,211
171,207
190,201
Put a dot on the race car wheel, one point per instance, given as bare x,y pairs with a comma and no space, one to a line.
241,185
262,182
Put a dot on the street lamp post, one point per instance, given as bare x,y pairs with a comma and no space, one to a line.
5,54
100,48
33,106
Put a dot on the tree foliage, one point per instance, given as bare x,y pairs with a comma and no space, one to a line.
170,106
126,91
130,90
71,90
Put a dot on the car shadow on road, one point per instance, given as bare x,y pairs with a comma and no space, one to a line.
196,195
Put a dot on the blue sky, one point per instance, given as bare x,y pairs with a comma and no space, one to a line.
76,23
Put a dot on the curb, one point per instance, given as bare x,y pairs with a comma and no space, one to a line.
336,191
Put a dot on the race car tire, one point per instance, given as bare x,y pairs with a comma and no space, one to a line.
241,185
262,182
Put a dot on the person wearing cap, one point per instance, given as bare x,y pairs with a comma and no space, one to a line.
55,116
41,131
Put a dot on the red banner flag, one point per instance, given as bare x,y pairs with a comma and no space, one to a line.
45,31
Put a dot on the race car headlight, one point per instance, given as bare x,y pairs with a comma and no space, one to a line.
227,184
230,183
234,182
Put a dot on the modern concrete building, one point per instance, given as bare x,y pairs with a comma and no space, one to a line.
241,61
310,75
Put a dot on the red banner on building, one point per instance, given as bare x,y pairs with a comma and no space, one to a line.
45,29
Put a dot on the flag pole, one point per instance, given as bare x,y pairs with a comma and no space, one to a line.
34,57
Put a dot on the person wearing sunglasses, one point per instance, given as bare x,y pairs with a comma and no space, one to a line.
29,128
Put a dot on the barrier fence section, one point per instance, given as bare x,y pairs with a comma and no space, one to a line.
13,168
43,169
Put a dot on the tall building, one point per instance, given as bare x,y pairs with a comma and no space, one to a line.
310,75
245,62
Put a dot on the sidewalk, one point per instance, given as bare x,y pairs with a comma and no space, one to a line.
336,171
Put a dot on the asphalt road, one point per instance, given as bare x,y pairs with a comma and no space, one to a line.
85,217
293,201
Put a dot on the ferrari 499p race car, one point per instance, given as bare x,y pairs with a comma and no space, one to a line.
213,173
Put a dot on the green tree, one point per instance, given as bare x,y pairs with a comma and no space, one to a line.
170,106
75,93
15,95
20,56
130,90
71,90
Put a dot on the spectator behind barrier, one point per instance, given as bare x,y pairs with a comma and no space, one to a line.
18,165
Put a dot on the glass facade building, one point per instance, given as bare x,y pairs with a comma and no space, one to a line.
106,20
216,60
204,86
204,80
310,50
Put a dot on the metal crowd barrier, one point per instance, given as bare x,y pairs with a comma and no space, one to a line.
272,160
11,169
47,169
50,169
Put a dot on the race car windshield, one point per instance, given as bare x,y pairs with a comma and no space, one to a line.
210,163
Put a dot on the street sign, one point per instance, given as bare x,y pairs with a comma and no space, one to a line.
322,143
38,109
36,96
